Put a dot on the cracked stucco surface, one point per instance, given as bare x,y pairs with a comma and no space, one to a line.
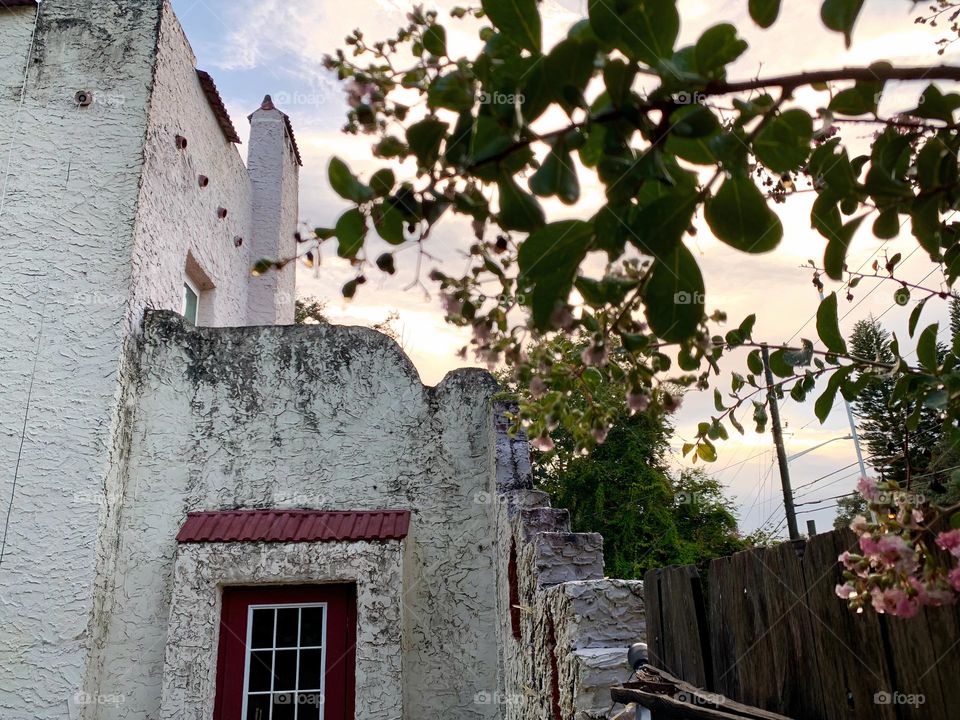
310,416
201,570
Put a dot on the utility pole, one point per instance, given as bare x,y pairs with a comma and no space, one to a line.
778,441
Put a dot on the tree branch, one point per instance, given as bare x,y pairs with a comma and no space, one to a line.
866,74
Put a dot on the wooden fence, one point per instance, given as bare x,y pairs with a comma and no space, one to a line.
765,627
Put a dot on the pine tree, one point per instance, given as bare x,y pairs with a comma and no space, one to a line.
896,452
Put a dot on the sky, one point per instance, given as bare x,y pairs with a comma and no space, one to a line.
256,47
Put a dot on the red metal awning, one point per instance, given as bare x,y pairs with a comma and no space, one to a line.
294,526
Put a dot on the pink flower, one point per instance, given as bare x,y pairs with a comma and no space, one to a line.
538,388
637,401
954,578
950,541
594,355
544,443
859,525
600,435
894,601
846,591
868,545
867,488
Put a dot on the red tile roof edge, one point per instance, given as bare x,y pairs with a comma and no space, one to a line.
281,525
216,104
293,138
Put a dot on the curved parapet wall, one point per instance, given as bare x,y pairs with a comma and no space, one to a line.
319,417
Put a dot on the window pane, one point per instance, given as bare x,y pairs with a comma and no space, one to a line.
311,627
285,669
284,706
287,621
262,633
308,706
311,670
260,671
258,707
190,303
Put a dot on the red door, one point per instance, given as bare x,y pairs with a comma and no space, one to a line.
287,653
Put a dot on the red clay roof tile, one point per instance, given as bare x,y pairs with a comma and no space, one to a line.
294,526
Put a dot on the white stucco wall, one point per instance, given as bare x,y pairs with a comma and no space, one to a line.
175,215
16,29
310,416
203,569
65,246
77,268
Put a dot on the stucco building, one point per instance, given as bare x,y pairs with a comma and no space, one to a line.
210,512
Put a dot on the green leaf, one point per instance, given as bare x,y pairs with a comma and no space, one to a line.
915,316
828,326
707,452
658,226
453,91
784,144
425,138
605,20
780,364
717,47
557,176
927,348
382,181
861,99
739,216
345,183
650,30
755,362
549,258
934,105
693,121
518,20
764,12
351,231
840,15
835,256
518,210
824,403
673,296
570,65
887,224
926,225
388,222
435,40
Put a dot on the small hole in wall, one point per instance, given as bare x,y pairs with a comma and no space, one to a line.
181,142
203,181
83,98
222,213
237,241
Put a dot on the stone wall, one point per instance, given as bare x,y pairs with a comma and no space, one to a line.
563,628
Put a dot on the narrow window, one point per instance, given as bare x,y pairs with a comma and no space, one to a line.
191,301
514,585
286,654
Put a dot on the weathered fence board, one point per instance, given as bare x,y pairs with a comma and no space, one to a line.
765,628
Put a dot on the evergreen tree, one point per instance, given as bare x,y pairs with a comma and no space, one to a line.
896,452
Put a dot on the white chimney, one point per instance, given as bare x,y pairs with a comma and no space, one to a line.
273,162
